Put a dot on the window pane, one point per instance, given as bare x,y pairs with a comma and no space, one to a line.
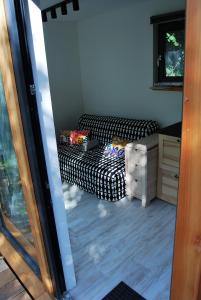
174,54
12,201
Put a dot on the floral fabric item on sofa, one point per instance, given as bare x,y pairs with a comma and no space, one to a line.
116,148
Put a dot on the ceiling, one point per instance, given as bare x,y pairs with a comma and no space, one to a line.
88,8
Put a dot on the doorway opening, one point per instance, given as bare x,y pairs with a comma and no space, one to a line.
119,134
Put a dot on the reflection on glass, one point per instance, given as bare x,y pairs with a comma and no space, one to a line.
11,195
174,54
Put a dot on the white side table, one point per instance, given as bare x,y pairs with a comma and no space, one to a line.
141,162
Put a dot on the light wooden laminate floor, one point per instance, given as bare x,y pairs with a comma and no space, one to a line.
119,241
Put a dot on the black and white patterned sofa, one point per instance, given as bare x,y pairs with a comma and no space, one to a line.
92,170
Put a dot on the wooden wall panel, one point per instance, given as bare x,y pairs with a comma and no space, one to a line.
186,277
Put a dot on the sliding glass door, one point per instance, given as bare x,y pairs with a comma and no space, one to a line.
12,200
21,236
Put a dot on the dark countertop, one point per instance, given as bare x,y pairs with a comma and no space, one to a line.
172,130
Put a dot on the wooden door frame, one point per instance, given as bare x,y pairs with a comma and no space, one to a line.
17,18
186,277
36,286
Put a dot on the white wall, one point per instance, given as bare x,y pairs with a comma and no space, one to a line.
104,65
64,72
116,55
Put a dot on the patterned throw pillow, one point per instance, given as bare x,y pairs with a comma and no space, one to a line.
117,148
65,136
79,137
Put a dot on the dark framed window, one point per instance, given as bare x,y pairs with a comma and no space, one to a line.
169,49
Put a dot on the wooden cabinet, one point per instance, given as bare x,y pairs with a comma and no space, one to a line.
168,166
141,160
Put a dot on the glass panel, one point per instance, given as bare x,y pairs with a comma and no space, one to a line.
11,194
174,54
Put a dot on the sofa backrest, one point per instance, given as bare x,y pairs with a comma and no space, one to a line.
104,128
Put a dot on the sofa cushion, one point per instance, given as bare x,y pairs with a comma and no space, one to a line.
110,150
116,148
103,128
64,136
79,136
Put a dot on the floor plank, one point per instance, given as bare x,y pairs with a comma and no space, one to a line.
5,277
120,241
10,287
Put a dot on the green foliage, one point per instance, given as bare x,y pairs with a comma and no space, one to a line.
172,39
174,55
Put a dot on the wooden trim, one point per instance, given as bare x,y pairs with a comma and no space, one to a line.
7,71
30,249
31,282
169,17
167,88
186,279
44,296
